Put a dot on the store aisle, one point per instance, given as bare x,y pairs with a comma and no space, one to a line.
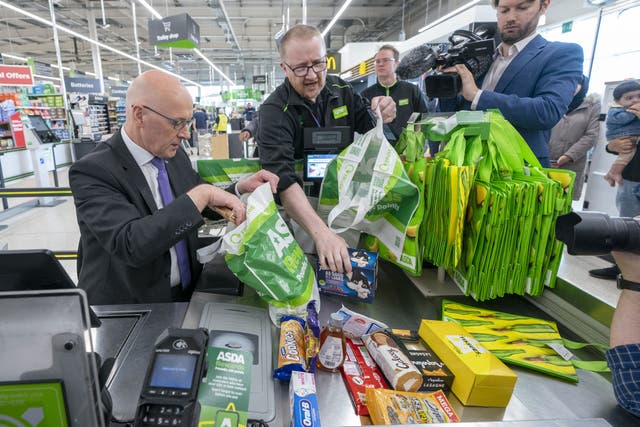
31,227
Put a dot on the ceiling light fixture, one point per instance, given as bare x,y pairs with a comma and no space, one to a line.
344,7
150,9
92,41
212,65
17,58
449,15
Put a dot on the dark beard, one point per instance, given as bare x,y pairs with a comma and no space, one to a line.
513,38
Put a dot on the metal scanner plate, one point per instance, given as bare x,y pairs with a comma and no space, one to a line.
246,328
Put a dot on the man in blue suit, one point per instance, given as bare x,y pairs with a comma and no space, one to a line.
531,80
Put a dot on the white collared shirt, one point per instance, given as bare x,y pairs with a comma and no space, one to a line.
143,159
499,65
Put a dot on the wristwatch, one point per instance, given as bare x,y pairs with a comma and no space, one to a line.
627,284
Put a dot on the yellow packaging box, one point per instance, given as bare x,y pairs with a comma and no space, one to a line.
481,379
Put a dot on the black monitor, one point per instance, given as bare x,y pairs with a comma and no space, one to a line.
42,130
35,270
332,139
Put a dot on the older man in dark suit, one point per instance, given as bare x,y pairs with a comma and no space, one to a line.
139,202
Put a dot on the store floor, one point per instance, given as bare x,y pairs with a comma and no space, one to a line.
56,228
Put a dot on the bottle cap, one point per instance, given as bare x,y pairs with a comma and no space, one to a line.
336,319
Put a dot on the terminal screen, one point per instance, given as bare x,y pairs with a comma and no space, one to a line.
173,370
316,165
38,123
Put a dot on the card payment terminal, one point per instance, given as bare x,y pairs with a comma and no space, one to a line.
169,394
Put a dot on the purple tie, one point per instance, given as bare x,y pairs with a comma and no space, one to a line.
182,253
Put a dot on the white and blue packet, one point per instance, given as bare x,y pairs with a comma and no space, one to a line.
303,400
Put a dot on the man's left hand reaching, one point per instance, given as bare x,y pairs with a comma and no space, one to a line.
387,107
247,185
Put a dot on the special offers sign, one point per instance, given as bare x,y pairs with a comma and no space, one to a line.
16,75
175,31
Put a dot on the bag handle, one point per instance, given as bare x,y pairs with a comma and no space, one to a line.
343,202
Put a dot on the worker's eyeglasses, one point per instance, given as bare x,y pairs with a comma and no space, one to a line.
177,124
384,60
303,70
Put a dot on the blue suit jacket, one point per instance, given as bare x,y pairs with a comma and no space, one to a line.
535,90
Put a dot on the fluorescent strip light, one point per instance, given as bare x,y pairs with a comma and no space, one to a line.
18,58
113,78
449,15
90,40
150,9
212,65
335,18
46,77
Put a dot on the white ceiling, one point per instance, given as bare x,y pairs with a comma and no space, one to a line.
252,23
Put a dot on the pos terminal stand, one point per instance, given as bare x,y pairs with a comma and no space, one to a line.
39,140
321,146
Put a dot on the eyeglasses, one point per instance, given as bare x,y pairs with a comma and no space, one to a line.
303,70
384,60
177,124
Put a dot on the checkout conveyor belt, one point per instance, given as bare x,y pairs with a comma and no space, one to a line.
538,399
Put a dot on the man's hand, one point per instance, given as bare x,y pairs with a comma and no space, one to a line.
387,107
622,145
469,87
562,160
247,185
332,252
207,195
244,135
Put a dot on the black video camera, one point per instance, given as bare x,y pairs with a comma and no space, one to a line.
473,49
596,233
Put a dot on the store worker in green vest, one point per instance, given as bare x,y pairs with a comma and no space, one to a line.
309,98
408,97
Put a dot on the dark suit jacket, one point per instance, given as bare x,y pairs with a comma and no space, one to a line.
123,256
535,90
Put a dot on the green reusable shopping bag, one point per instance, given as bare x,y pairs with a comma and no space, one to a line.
262,253
367,189
447,188
224,172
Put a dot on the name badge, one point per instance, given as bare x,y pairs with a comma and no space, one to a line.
340,112
404,101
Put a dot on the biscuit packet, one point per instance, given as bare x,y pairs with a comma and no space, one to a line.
387,407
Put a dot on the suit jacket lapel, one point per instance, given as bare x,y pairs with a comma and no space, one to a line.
530,51
132,171
175,170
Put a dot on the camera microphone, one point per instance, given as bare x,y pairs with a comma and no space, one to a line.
417,61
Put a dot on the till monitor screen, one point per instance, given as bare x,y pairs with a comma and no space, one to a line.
173,370
316,165
38,123
33,403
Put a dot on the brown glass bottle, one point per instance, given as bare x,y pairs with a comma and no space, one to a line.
332,345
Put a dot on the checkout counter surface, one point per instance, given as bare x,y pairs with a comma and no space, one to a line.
538,400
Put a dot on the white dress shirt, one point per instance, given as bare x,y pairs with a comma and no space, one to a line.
499,65
143,159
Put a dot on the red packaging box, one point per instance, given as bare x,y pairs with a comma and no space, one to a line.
360,372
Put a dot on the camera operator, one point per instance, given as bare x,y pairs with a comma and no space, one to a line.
624,355
531,81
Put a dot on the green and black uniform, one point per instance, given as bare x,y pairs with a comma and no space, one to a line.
285,114
408,97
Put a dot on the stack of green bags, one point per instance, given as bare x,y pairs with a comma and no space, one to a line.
490,211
